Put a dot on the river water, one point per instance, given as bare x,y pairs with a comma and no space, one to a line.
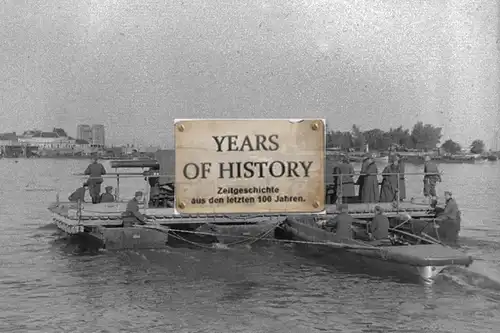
45,287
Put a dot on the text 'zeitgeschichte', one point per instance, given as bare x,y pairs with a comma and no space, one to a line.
247,195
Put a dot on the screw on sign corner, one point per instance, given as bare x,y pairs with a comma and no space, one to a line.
315,126
181,128
316,204
181,205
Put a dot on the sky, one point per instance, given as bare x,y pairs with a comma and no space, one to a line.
135,66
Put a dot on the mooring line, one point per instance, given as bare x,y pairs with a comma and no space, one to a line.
244,239
262,237
190,242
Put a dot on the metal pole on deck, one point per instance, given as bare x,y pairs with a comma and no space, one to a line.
117,192
146,195
79,211
340,198
397,196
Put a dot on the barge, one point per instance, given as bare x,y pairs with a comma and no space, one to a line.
102,224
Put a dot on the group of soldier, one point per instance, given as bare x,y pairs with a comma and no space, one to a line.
95,171
392,188
393,185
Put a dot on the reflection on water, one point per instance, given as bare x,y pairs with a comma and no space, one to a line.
267,288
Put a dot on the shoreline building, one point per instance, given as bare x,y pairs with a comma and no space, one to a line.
98,138
94,134
84,132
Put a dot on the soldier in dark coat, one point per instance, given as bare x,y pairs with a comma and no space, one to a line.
379,226
154,183
369,190
389,188
79,194
431,178
449,219
344,181
361,177
108,195
132,215
341,224
95,170
402,179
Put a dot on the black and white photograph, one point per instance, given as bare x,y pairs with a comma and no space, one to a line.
258,166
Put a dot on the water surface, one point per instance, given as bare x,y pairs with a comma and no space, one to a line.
45,287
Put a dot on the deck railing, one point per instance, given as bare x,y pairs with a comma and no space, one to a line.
121,175
338,186
340,183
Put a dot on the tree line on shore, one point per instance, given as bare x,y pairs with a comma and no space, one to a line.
422,137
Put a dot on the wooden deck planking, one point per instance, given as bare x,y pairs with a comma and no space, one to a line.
109,214
118,208
221,220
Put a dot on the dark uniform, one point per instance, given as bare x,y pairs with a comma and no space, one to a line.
342,224
132,215
431,180
389,183
78,195
154,183
379,227
449,220
402,181
344,181
361,178
370,191
95,170
107,197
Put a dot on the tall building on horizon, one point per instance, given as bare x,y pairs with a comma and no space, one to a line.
98,135
94,134
84,132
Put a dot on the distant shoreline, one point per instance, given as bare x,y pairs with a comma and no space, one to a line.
67,157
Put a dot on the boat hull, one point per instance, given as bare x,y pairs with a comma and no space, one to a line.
106,231
422,262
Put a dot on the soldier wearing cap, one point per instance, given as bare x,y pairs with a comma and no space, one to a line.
449,219
402,181
432,176
108,195
389,188
368,189
361,178
342,223
95,171
132,215
451,208
79,194
377,229
379,226
344,182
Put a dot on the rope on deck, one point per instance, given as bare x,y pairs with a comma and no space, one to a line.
247,241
